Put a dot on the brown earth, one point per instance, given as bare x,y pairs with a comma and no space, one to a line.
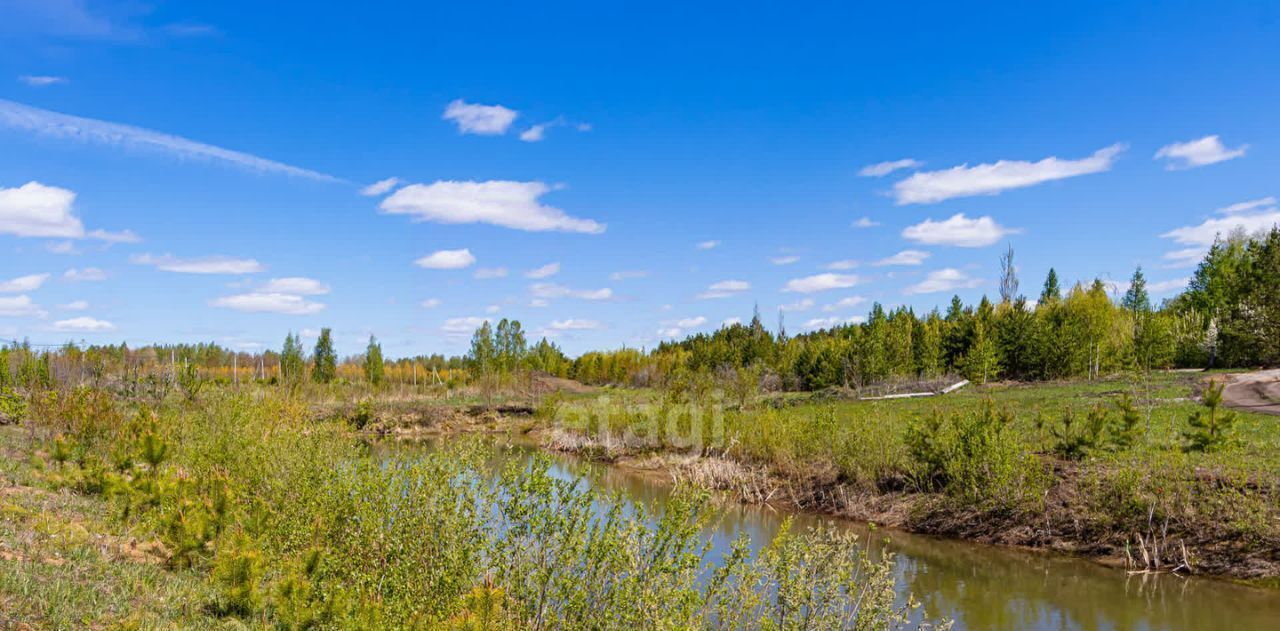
1254,392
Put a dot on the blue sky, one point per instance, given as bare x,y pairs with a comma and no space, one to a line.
198,171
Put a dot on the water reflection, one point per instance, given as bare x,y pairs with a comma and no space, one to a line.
978,586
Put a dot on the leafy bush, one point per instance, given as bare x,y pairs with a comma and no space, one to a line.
975,457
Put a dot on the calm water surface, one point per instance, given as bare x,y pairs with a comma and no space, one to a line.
978,586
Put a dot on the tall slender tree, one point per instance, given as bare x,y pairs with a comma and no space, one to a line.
1008,277
373,364
292,364
1052,291
325,358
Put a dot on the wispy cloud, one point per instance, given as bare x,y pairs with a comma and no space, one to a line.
784,260
677,328
298,285
833,321
929,187
481,120
820,282
865,222
707,245
447,259
268,302
381,187
40,81
959,231
724,289
628,275
501,203
22,284
905,257
804,304
546,271
486,273
547,291
881,169
430,303
947,279
83,324
841,265
844,303
84,275
1197,153
1248,217
200,265
20,307
65,126
574,324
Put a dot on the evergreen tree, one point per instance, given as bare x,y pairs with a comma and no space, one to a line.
373,364
291,361
982,363
324,359
1052,292
1135,299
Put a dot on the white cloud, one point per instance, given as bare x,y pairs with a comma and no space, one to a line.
547,291
36,210
546,271
381,187
959,231
539,303
20,307
1185,257
486,273
946,279
200,265
1251,205
784,260
84,275
497,202
74,305
707,245
30,282
846,264
122,236
1197,153
83,324
724,289
492,309
483,120
430,303
865,222
826,323
573,324
905,257
804,304
296,285
1165,286
881,169
40,81
928,187
730,321
820,282
535,133
447,259
677,328
1251,216
844,303
262,302
628,275
87,130
462,327
62,247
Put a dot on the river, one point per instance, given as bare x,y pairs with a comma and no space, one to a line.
978,586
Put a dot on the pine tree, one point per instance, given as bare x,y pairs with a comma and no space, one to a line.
324,359
982,363
1135,299
373,364
1210,428
1052,292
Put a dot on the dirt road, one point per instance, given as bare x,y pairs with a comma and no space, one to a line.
1254,392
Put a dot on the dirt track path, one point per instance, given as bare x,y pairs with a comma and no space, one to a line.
1254,392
